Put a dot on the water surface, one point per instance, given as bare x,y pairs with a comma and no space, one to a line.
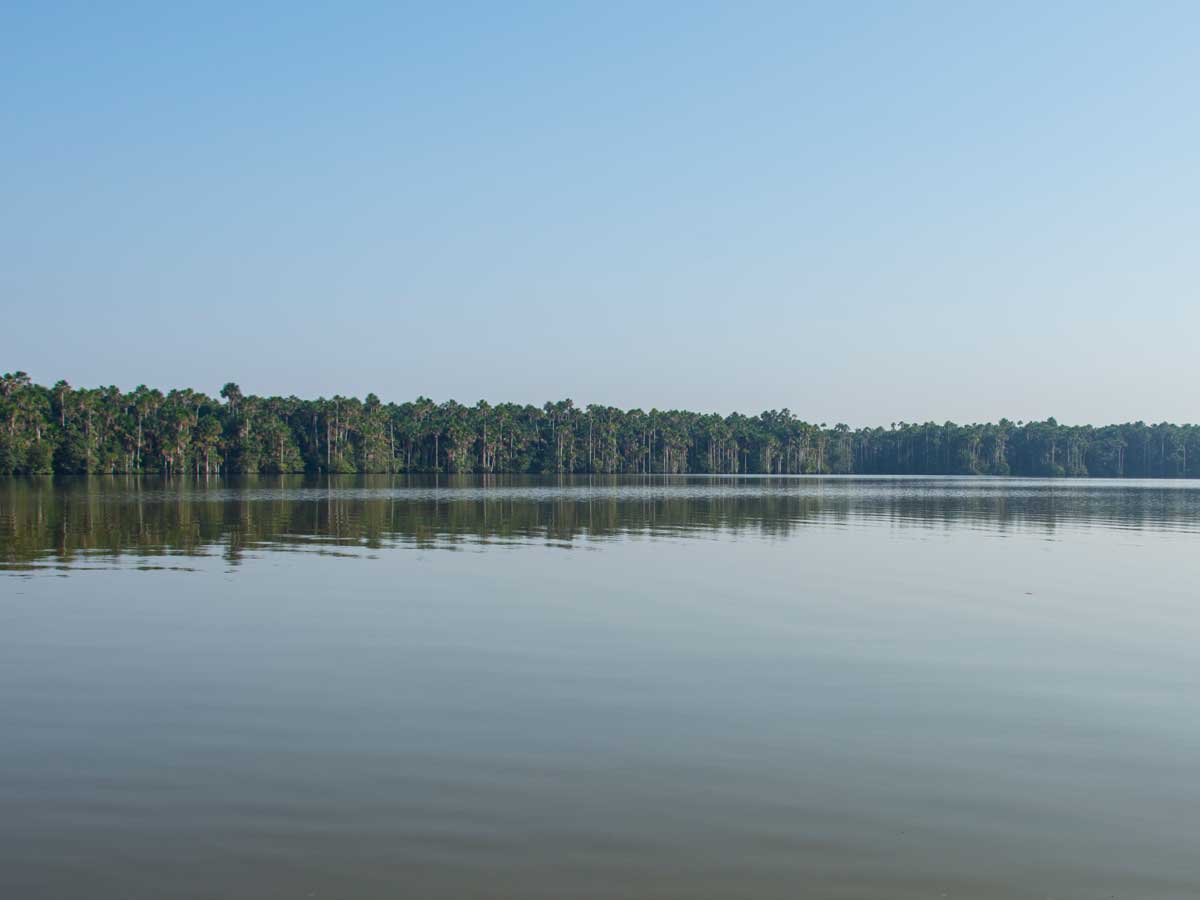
599,688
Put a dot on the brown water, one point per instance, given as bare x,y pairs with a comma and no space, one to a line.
606,688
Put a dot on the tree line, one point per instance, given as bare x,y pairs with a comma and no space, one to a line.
67,430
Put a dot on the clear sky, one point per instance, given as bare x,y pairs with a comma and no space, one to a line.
863,212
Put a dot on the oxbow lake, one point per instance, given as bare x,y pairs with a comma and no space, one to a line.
699,687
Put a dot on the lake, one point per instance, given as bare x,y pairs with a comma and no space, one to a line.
688,687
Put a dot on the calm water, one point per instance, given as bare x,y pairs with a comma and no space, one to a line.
608,688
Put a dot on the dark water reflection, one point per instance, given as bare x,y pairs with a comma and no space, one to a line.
727,688
68,521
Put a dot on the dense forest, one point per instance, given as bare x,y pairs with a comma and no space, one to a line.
67,430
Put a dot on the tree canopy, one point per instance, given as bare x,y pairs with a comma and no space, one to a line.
63,429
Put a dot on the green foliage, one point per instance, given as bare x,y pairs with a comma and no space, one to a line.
103,430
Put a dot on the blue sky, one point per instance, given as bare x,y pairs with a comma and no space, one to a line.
863,212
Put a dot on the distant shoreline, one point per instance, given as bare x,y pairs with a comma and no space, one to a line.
63,430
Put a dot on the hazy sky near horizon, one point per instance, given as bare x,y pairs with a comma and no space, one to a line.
865,212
